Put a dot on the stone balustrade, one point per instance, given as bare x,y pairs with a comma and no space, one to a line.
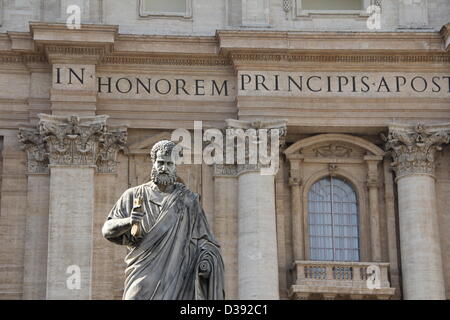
330,279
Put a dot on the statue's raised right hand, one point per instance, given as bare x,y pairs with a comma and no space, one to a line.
137,213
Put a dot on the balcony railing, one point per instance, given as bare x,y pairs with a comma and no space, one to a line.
350,280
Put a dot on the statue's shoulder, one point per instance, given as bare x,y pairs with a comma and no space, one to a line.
130,192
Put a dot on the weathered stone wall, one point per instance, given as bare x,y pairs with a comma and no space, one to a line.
210,15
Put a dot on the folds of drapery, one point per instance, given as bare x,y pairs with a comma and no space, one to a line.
165,263
209,281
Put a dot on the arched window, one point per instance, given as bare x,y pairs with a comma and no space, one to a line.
333,221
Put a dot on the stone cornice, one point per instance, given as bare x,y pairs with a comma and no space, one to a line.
258,57
58,32
75,54
10,57
182,60
21,41
215,60
63,45
379,42
146,44
273,34
101,44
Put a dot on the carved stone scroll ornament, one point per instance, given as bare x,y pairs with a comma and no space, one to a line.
333,150
332,169
36,148
413,148
109,145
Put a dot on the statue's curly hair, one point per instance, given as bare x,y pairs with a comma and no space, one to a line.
166,146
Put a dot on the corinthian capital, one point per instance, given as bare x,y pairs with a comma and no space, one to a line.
72,141
257,144
109,145
279,124
36,148
260,128
413,147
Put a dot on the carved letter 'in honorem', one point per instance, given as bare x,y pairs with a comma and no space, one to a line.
172,253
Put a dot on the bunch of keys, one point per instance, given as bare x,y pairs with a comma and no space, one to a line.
136,227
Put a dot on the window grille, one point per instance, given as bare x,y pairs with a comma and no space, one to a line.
333,221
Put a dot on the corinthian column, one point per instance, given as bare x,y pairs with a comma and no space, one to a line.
413,150
76,147
257,242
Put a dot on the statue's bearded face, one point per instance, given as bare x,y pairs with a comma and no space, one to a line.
163,170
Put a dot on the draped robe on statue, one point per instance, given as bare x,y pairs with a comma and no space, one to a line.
175,243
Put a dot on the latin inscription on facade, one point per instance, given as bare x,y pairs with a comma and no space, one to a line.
292,84
317,84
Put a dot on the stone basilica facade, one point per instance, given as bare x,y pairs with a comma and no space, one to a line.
360,205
